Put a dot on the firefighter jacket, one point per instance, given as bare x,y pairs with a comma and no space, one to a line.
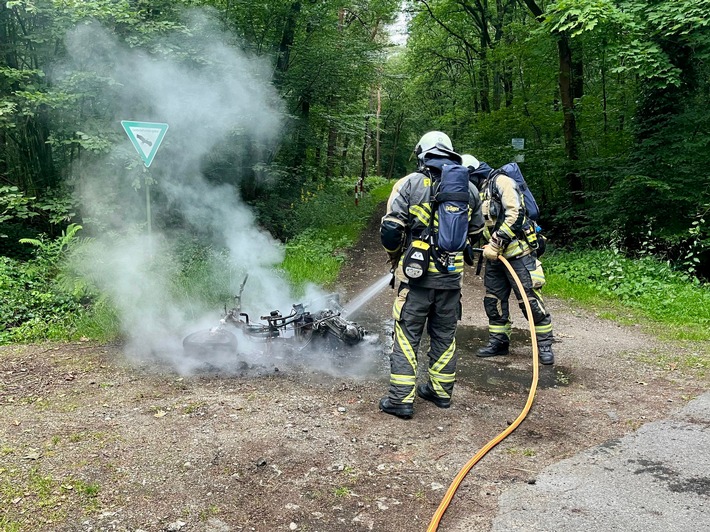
408,216
504,213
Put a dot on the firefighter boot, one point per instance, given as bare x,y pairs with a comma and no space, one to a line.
493,349
405,411
427,393
545,354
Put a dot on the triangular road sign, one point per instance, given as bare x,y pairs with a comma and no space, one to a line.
146,138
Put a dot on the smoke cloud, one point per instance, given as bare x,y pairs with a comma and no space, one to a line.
223,97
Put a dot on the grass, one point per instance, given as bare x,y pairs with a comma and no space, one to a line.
334,224
45,498
341,491
667,303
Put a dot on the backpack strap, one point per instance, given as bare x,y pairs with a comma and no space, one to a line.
452,196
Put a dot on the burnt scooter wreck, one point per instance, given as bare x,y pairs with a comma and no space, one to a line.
323,328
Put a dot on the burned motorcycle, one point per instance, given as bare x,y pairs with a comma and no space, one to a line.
301,328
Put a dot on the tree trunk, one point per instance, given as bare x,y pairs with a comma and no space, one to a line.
365,147
378,169
571,87
484,87
568,87
330,152
301,153
395,144
344,156
287,39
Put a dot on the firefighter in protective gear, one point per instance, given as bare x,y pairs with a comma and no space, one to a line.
506,223
433,299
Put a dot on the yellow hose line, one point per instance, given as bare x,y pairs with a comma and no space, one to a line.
434,525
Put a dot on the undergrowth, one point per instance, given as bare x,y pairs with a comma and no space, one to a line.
669,303
50,297
334,222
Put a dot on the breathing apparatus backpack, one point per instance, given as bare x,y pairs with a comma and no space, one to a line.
512,170
450,202
531,230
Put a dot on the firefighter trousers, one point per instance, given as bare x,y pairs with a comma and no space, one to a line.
439,310
498,283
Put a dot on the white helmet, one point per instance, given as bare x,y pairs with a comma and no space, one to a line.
469,161
435,143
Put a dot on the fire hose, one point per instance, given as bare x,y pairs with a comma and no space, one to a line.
433,526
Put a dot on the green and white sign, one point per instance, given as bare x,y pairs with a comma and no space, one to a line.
146,138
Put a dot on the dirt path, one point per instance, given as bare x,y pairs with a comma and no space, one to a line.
92,441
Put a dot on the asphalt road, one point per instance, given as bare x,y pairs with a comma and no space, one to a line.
656,479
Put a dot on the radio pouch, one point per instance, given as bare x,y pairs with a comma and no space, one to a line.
416,259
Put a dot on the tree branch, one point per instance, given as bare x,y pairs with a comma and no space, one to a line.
534,9
449,30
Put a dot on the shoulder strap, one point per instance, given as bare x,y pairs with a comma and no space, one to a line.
492,190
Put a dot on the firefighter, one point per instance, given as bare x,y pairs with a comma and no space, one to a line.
506,223
433,299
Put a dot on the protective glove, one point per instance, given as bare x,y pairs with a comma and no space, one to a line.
492,250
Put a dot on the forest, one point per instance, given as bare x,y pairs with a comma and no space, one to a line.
276,108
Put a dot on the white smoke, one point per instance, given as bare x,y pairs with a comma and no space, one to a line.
223,97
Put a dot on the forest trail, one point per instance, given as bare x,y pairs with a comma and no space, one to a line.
92,440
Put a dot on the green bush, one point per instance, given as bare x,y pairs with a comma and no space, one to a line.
651,288
33,305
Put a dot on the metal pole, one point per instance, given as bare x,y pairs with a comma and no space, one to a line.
147,204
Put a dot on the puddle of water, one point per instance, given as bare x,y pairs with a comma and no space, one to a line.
496,374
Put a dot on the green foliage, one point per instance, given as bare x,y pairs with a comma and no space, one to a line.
14,204
333,206
202,276
54,209
315,257
33,305
328,222
36,303
651,289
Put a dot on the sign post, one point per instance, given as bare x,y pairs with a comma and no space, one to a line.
146,138
519,144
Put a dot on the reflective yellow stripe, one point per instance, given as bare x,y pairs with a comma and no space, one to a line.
421,212
505,329
410,396
403,380
542,329
507,230
444,359
439,389
443,377
432,268
405,346
437,379
516,248
458,264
